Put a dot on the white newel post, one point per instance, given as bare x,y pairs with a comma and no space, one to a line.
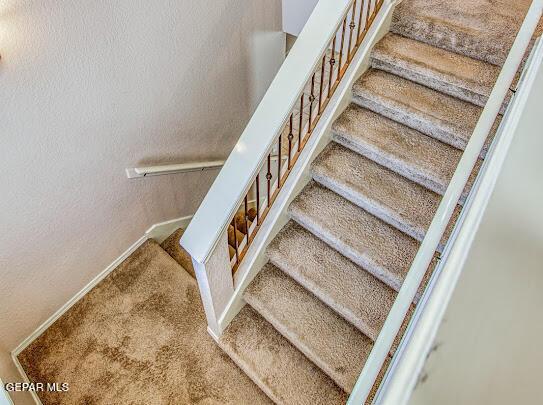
215,282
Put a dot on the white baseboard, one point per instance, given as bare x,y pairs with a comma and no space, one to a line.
5,399
162,230
157,232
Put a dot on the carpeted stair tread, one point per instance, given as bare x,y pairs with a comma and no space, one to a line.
277,367
371,243
435,114
450,73
172,246
396,200
482,30
334,345
348,289
406,151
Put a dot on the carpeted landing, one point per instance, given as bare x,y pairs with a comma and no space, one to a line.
139,337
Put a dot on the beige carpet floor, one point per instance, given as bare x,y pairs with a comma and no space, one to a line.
139,337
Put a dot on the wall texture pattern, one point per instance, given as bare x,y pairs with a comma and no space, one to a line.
88,88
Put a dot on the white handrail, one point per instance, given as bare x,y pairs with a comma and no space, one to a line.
420,336
240,169
173,168
424,256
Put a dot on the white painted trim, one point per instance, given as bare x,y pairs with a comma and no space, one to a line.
425,254
157,232
255,258
139,172
5,399
412,353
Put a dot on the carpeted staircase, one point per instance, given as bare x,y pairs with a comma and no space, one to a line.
334,270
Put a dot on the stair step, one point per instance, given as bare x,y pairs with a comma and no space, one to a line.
435,114
349,290
277,367
406,151
466,78
172,246
333,344
379,248
482,30
385,194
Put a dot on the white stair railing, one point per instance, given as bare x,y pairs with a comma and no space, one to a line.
429,245
281,126
419,338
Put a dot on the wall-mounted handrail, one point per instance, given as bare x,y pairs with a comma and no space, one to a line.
159,170
429,245
273,114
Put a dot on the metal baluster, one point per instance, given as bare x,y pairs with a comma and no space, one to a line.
279,162
258,199
352,25
322,82
342,44
236,239
362,3
246,222
332,63
269,177
301,121
311,100
290,137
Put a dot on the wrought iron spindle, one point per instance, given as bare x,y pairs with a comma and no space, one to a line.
246,221
301,121
352,26
258,199
290,138
279,161
311,101
322,82
360,16
268,178
342,44
236,246
332,63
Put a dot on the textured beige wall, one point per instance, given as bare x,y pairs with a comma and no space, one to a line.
88,88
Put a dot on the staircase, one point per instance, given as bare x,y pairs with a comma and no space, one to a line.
334,270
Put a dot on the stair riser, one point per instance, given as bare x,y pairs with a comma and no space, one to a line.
437,130
446,87
410,172
364,262
296,342
443,37
247,370
367,330
381,212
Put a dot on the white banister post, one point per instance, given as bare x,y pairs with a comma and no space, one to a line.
215,282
